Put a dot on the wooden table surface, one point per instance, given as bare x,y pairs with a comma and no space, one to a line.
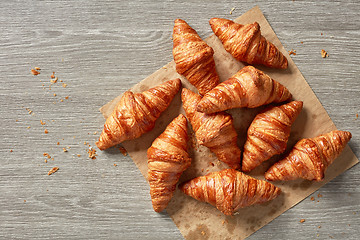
99,49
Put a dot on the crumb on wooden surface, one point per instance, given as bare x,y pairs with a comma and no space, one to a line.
46,155
11,150
292,52
37,68
46,131
324,54
29,111
78,155
45,160
28,127
92,153
67,97
53,170
54,94
232,10
24,200
42,122
357,116
320,195
58,143
319,226
95,133
61,100
301,42
34,72
123,151
64,85
115,164
312,198
203,233
302,220
65,150
53,75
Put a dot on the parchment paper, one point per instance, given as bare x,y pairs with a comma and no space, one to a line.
197,220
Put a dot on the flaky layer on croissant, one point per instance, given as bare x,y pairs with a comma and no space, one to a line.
246,43
310,157
215,131
135,114
167,160
249,88
194,58
268,134
229,190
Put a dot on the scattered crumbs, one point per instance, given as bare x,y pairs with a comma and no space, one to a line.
357,116
95,133
92,153
46,131
65,150
85,143
52,159
231,11
53,75
319,195
64,85
11,150
292,52
54,94
54,81
61,80
45,161
319,226
58,143
123,151
301,42
324,54
53,170
61,100
203,233
24,200
47,155
29,111
78,155
312,198
115,165
47,190
321,34
37,68
34,72
18,119
42,123
67,97
302,220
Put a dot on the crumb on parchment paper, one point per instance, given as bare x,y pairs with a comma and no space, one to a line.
53,170
324,54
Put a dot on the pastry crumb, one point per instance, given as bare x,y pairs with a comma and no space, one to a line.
29,111
46,131
65,150
95,133
28,127
11,150
319,226
92,153
64,85
324,54
357,116
24,200
42,122
203,233
302,220
312,198
53,75
34,72
45,160
115,164
67,97
301,42
319,195
292,52
53,170
46,155
54,94
58,143
78,155
123,151
37,68
232,10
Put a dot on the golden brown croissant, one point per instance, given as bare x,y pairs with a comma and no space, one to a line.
310,157
167,160
135,114
268,134
246,43
229,190
215,131
249,88
194,58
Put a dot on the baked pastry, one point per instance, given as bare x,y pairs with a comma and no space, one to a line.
310,157
229,190
215,131
246,44
135,114
194,58
249,88
268,134
167,160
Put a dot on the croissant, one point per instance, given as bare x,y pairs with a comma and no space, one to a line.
167,160
194,58
135,114
229,190
269,133
215,131
310,157
249,87
246,43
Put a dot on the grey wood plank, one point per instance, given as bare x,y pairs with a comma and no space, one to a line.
100,49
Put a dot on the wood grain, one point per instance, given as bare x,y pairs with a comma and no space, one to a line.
100,49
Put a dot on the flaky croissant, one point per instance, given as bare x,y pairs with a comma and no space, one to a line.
249,88
215,131
194,58
135,114
229,190
167,160
268,134
246,43
310,157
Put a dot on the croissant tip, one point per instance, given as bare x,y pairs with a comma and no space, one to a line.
178,20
